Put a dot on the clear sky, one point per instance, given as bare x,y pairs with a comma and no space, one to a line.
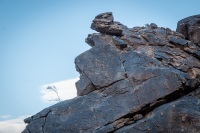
39,40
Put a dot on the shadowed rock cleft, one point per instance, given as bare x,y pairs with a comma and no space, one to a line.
132,80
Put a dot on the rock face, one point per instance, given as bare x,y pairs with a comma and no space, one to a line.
190,28
132,80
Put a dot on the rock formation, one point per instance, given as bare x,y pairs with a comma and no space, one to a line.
132,80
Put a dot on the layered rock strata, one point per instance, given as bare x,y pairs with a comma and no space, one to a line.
132,80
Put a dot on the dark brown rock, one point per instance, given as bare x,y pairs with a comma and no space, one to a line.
28,120
177,40
101,64
140,79
119,43
97,39
190,28
153,26
179,116
84,86
104,23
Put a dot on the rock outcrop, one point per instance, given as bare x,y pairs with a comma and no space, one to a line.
132,80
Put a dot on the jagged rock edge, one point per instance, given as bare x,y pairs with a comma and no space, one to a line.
151,106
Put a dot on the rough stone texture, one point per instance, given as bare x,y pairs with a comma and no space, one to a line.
190,28
84,85
132,80
175,117
104,23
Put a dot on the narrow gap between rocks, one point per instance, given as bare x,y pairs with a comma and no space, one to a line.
111,84
192,54
45,118
126,74
182,49
28,130
97,87
169,64
151,106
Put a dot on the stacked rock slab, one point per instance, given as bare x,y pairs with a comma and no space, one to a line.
132,80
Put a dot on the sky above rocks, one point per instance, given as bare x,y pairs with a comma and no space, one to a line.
40,39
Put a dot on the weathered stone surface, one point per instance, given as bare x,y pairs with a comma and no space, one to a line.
97,39
104,23
119,43
140,79
84,86
190,28
177,41
28,120
179,116
25,131
153,26
101,64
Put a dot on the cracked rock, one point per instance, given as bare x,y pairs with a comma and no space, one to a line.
119,43
97,39
179,116
132,80
101,65
84,85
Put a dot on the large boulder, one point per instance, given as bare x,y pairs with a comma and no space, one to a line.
104,23
140,79
190,28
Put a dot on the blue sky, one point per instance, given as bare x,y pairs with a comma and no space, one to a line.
39,40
